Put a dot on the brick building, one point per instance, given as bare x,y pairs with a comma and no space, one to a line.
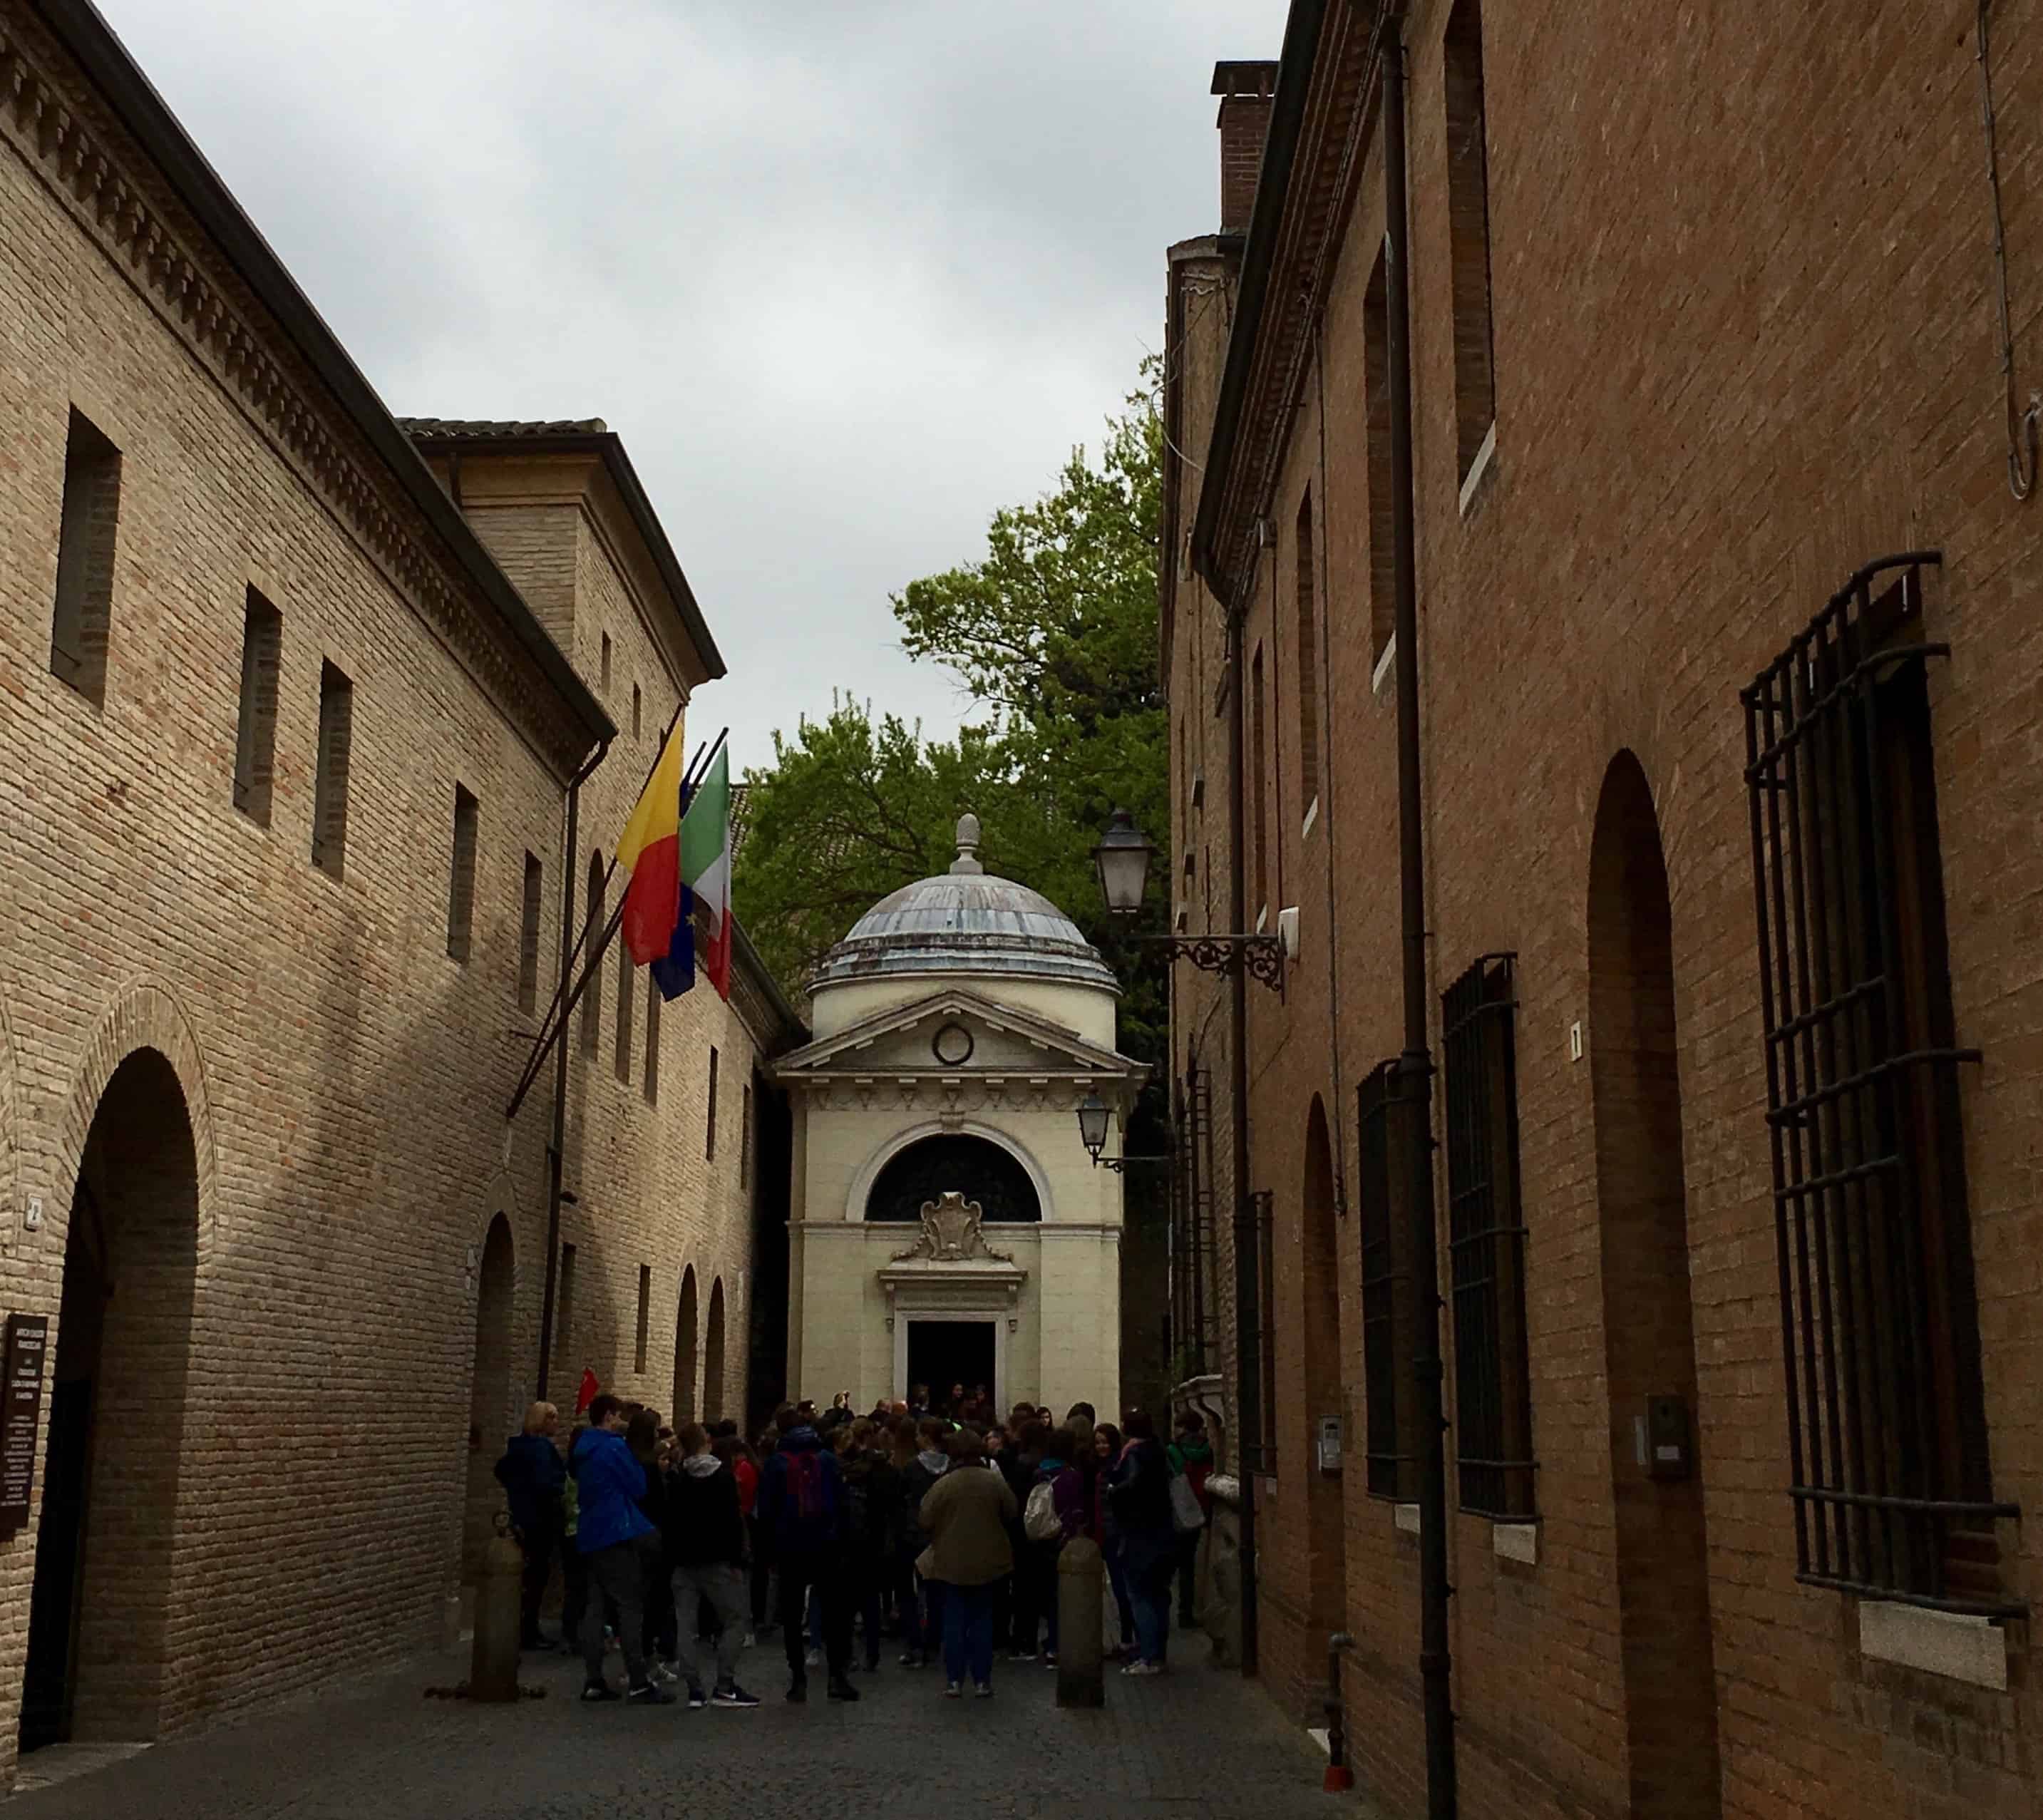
290,725
1728,870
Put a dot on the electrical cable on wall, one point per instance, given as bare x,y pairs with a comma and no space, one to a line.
2021,423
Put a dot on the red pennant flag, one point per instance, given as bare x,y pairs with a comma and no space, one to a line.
586,1395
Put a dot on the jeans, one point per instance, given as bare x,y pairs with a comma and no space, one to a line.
1149,1573
824,1572
538,1543
618,1574
661,1621
868,1572
762,1570
574,1593
1116,1575
935,1595
968,1634
723,1585
1039,1570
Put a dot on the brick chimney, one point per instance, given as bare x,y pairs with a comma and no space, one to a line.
1246,92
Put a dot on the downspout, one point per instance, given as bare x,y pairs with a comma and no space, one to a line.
1415,1065
1248,1388
558,1143
1323,525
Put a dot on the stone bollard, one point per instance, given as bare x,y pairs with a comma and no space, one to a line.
1081,1641
492,1668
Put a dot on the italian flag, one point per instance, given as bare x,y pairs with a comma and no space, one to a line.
705,856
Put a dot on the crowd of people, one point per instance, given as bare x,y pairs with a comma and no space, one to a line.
938,1524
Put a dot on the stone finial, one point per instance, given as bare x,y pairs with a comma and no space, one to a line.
967,862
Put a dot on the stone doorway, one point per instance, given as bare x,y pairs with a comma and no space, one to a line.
1649,1321
491,1417
100,1608
941,1353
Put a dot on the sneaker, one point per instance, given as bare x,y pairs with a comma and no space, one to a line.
661,1672
911,1659
593,1691
797,1693
734,1696
842,1690
815,1658
1049,1658
954,1690
751,1640
1022,1656
983,1690
1135,1668
649,1693
697,1699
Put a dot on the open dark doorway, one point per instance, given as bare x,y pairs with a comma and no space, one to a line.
99,1612
941,1353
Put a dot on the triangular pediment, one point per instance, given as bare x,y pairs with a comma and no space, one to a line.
903,1040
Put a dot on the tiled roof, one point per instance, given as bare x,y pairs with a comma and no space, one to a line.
485,429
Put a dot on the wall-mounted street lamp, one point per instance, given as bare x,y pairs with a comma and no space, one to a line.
1122,860
1093,1115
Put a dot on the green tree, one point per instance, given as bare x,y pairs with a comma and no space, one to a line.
1054,631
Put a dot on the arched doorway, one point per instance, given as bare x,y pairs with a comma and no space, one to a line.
685,1352
1649,1323
713,1409
99,1612
1320,1325
491,1417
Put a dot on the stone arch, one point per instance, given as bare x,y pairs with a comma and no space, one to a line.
714,1342
1320,1325
1662,1543
868,1174
687,1352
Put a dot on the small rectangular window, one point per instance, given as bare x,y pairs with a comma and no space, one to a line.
1308,662
605,671
652,1040
255,732
1486,1243
645,1316
564,1313
461,875
627,998
710,1140
637,705
80,626
528,936
1387,1313
1468,226
1258,783
1382,519
591,991
336,739
745,1143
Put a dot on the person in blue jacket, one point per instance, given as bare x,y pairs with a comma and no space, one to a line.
618,1545
534,1475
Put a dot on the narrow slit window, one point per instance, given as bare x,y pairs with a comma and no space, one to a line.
1308,662
627,999
645,1316
652,1040
637,706
709,1141
80,626
255,731
1468,225
1388,1392
528,935
1259,781
744,1142
603,671
591,991
564,1313
461,879
1486,1242
336,741
1376,379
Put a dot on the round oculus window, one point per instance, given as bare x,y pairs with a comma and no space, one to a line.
952,1045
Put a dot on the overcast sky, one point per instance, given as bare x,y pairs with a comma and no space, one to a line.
846,277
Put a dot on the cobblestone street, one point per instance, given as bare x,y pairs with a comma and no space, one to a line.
1199,1739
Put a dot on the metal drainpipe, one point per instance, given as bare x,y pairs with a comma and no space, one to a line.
1415,1065
1248,1410
558,1141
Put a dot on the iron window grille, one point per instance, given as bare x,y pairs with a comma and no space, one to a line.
1386,1295
1887,1431
1486,1240
1254,1229
1191,1229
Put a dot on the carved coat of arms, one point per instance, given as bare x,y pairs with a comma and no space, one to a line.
951,1234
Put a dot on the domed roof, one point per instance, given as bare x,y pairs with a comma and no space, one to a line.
965,921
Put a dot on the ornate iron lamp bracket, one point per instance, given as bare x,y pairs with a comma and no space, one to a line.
1262,955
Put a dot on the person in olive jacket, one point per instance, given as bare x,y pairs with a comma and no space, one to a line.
968,1513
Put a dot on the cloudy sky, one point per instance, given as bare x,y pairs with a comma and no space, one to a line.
846,275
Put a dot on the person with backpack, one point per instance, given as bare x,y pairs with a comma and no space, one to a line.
801,1507
966,1513
704,1526
1054,1515
923,1630
872,1493
618,1547
533,1475
1191,1457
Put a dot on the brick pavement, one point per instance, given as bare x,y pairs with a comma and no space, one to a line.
1199,1740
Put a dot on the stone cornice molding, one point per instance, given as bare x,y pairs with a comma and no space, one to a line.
94,162
952,1101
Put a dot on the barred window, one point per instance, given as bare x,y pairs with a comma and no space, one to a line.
1887,1424
1387,1332
1486,1237
1253,1229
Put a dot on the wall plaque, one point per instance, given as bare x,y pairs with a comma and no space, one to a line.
27,1340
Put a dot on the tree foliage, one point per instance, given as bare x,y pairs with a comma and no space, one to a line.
1054,631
